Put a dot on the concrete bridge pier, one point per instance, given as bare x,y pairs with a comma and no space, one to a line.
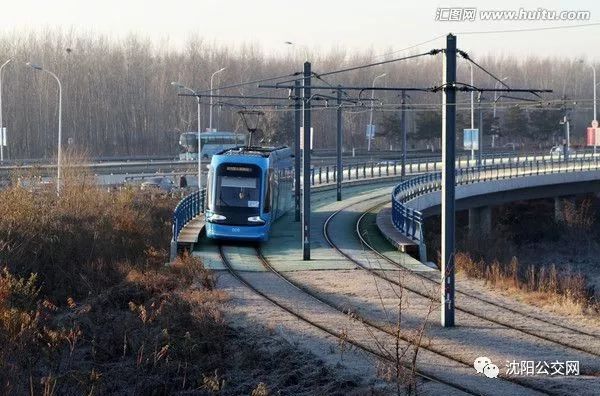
480,222
559,207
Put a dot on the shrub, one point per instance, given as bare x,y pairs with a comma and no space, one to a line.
561,287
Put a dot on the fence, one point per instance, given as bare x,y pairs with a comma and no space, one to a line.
188,208
407,220
410,221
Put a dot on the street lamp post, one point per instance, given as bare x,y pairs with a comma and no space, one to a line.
369,136
2,136
472,113
210,112
472,99
595,115
181,86
595,86
304,48
59,159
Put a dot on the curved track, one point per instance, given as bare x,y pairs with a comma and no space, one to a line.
353,313
334,333
362,319
463,293
426,295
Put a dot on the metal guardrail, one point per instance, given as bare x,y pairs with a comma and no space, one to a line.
405,219
188,208
151,165
410,221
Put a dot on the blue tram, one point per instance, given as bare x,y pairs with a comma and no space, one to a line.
248,188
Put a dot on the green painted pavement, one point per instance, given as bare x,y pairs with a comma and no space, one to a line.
284,250
372,235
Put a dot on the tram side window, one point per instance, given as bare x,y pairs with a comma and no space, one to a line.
269,192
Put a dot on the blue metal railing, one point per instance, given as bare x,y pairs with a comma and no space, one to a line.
410,221
407,220
188,208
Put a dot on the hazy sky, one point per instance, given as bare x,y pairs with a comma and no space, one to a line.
320,24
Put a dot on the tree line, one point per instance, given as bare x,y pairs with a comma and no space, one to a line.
118,100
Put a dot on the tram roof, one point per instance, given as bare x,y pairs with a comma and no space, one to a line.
216,133
255,151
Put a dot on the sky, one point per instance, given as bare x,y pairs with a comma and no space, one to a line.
316,25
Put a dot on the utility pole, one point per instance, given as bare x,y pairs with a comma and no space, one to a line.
567,138
480,154
3,136
371,130
59,156
306,93
448,182
297,152
567,142
339,173
404,133
210,110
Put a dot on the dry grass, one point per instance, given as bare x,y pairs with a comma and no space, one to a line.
546,286
87,305
84,240
521,228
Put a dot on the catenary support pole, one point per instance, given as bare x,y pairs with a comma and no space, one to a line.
339,146
199,110
306,93
480,151
448,180
297,152
404,134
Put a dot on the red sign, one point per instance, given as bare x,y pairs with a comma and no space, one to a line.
590,137
593,136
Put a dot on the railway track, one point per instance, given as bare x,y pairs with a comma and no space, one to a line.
458,308
338,335
379,327
460,292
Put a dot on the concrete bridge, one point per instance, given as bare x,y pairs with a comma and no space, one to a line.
480,188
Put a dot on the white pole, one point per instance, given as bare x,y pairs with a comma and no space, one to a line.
210,106
369,137
2,135
199,148
568,136
594,70
210,111
472,100
59,159
595,119
199,154
472,113
370,120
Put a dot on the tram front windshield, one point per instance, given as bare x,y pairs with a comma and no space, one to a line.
238,189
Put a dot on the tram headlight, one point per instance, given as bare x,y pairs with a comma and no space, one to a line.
216,217
256,219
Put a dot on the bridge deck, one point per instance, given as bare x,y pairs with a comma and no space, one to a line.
192,230
395,237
